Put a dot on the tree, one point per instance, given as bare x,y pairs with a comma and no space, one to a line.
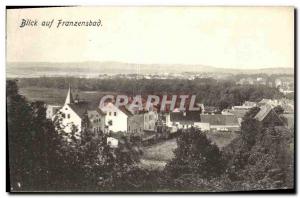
250,127
262,157
88,163
31,140
278,109
196,154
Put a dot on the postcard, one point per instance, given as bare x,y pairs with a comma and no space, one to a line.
150,99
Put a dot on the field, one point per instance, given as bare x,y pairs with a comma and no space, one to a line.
57,96
156,156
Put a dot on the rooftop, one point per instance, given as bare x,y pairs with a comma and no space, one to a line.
189,116
264,111
81,108
219,119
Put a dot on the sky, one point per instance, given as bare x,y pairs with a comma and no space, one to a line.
227,37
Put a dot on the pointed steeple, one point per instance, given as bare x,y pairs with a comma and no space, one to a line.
69,99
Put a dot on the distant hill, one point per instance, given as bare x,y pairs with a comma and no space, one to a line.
35,69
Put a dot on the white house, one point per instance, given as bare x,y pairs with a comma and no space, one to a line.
205,122
116,118
74,115
182,120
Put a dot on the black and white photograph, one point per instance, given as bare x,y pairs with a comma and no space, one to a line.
150,99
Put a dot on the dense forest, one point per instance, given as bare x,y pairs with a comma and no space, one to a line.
40,158
211,92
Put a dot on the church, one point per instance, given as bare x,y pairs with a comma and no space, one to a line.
76,115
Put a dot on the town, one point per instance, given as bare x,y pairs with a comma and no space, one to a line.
148,125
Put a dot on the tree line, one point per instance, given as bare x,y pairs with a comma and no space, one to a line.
211,92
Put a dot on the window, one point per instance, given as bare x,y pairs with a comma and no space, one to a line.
63,115
109,113
115,113
69,116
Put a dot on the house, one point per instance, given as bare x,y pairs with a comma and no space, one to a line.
205,122
121,119
239,111
116,118
182,120
136,124
268,117
271,102
286,104
76,115
96,120
219,122
245,106
210,110
142,121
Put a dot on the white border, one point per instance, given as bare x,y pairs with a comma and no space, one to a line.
4,3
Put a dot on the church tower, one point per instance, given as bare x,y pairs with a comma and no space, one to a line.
69,99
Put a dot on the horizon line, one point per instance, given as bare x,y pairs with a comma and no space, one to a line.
93,61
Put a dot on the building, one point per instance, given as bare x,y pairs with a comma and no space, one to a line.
286,104
143,121
76,115
219,122
182,120
205,122
73,116
116,118
136,124
239,111
268,117
97,120
271,102
210,110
